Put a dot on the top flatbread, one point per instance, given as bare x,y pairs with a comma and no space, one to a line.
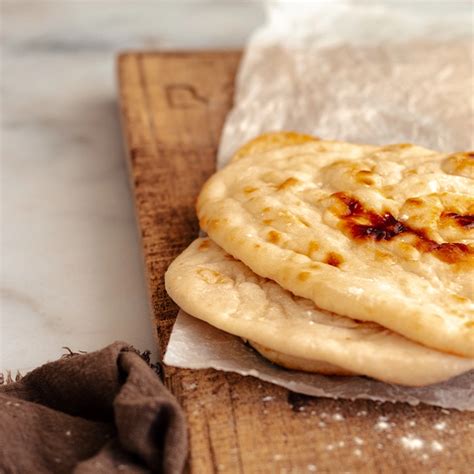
381,234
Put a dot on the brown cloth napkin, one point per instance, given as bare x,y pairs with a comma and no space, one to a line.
102,412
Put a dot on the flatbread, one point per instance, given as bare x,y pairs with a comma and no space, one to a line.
382,234
299,363
211,285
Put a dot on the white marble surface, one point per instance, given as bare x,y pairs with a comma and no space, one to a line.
70,258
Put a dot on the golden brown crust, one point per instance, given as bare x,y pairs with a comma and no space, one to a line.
272,140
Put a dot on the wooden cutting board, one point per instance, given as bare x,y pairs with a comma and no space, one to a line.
173,107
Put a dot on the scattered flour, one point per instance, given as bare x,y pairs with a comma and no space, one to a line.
382,425
436,446
411,442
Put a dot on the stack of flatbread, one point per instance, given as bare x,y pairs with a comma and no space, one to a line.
338,258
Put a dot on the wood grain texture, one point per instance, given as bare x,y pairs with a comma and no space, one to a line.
173,106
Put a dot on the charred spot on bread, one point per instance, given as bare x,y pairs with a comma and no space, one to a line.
463,220
385,227
334,259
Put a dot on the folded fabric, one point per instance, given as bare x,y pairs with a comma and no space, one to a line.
101,412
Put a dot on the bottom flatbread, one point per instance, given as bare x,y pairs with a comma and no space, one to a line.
211,285
299,363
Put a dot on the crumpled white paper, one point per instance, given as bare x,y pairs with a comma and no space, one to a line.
371,74
363,74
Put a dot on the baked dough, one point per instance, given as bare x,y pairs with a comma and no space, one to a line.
209,284
299,363
381,234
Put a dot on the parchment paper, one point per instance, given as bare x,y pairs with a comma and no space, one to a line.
371,74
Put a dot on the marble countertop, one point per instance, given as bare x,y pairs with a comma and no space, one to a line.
72,272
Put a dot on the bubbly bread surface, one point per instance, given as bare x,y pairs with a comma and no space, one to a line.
211,285
381,234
